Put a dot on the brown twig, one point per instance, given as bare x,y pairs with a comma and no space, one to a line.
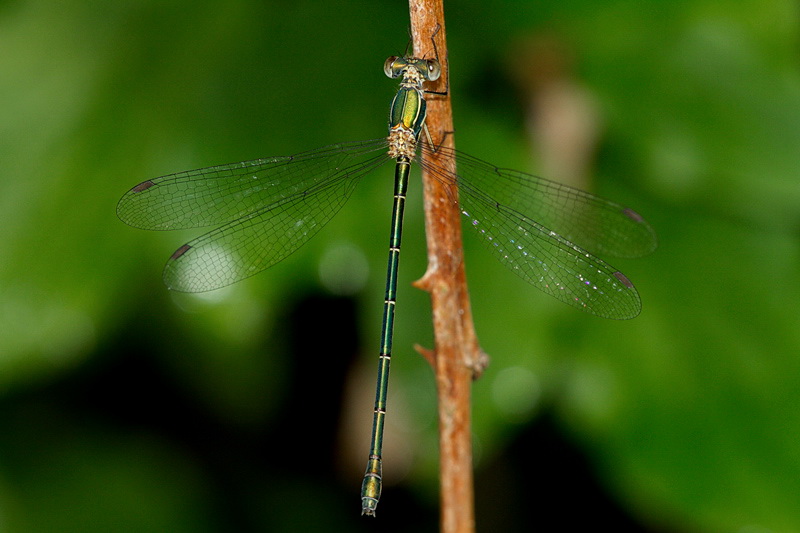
456,357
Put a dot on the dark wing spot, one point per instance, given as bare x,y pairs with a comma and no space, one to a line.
185,248
621,277
143,186
633,215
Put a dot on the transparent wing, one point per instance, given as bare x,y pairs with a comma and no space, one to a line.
543,232
595,224
220,194
269,207
255,242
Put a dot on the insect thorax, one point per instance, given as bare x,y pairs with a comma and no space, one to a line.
402,142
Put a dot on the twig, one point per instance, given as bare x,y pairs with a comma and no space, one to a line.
456,357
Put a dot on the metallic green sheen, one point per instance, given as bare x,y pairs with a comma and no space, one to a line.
371,486
266,209
408,110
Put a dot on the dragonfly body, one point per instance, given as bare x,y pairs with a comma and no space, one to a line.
406,119
266,209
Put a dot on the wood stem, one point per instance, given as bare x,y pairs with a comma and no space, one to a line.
456,357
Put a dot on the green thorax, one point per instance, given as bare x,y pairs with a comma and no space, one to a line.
408,107
408,110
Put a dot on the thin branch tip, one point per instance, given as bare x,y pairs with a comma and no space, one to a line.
428,354
480,364
424,283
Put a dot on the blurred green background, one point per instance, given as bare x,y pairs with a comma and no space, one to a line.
124,407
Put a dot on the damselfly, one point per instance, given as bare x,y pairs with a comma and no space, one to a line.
266,209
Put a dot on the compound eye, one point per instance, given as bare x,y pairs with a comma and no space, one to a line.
392,67
434,70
